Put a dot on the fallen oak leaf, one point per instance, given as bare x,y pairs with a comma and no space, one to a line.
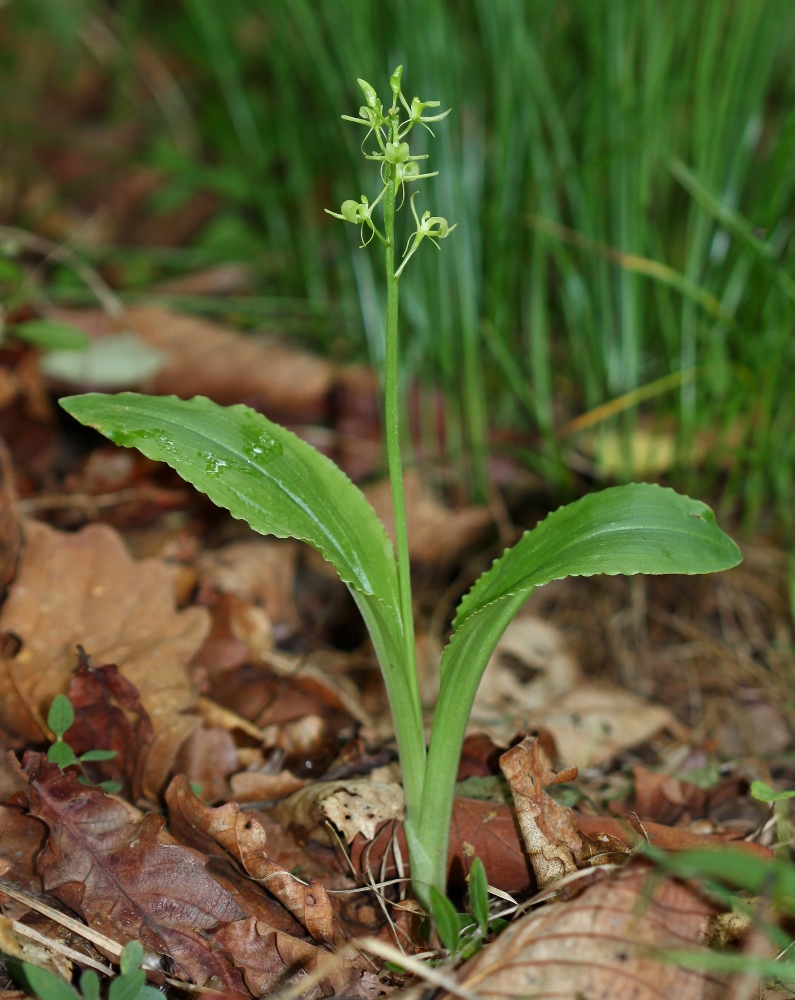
85,588
550,835
121,877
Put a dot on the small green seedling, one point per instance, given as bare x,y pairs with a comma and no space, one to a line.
281,486
464,934
60,719
762,792
130,984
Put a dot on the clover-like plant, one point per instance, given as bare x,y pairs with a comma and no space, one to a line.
269,477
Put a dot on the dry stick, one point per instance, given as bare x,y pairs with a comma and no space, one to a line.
151,958
95,937
62,949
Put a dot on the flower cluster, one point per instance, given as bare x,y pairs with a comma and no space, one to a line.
398,166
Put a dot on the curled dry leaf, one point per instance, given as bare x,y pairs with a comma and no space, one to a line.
437,534
124,880
245,839
269,960
550,835
85,589
601,944
109,716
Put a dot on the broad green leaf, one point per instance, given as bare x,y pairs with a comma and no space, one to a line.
764,793
479,894
127,986
131,957
61,714
638,528
47,986
52,335
61,753
267,476
446,920
89,984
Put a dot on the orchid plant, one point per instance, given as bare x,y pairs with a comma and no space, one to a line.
281,486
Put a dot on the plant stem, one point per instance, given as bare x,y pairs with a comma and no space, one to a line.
392,427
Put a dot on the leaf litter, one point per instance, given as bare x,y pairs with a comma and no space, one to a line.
256,846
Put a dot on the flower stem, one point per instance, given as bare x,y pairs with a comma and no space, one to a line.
392,422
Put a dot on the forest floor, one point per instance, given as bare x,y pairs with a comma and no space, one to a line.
253,843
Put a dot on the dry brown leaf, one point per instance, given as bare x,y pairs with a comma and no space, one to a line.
21,839
260,572
125,882
256,786
548,829
109,716
270,959
593,723
207,758
85,589
437,534
354,807
211,832
243,837
207,359
600,946
531,667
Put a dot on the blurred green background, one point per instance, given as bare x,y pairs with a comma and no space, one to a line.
622,173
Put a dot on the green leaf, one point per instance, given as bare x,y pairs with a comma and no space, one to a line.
47,986
149,993
127,986
112,787
479,894
61,714
764,793
90,755
61,753
638,528
52,335
446,920
131,957
267,476
89,984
